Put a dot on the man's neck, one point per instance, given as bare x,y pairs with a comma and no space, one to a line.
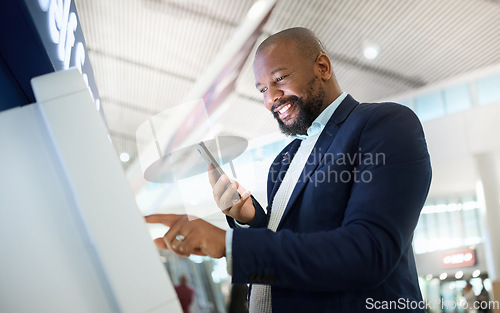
329,99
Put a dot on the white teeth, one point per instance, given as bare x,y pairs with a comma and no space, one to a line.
284,109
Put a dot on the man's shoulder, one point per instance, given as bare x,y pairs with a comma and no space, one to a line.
372,107
379,110
360,112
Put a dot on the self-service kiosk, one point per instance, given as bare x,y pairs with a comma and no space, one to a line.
71,236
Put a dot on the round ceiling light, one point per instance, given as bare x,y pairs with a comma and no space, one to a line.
370,50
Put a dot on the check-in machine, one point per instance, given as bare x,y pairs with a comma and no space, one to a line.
71,236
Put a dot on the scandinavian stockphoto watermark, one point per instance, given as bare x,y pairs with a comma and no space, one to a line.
437,304
334,167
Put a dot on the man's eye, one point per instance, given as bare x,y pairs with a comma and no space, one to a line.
263,90
281,78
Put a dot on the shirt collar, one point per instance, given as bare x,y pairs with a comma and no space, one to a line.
320,122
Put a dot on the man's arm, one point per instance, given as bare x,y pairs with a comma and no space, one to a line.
197,236
202,238
374,238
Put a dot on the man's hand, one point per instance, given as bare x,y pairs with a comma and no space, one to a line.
241,210
197,236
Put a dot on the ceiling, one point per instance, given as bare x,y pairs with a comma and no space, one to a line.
148,54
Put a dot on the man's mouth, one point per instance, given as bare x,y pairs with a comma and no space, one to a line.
284,110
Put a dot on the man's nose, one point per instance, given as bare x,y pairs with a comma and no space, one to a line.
273,96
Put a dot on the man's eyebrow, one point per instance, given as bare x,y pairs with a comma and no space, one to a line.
277,70
272,73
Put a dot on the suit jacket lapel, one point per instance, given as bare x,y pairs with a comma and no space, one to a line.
285,159
322,145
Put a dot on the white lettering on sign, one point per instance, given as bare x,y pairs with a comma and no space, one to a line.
79,55
62,25
44,4
55,17
70,40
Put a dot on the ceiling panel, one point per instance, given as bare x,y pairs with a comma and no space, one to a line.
147,54
138,87
245,118
123,120
177,37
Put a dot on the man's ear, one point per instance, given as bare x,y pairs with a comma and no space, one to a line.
324,67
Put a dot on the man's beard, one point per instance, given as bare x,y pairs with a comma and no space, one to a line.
308,109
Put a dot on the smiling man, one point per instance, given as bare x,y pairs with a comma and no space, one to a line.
292,91
344,196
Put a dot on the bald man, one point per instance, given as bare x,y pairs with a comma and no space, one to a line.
344,196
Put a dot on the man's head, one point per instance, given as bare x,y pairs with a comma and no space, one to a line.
295,77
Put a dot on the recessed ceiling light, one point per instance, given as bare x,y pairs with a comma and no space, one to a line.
370,50
124,157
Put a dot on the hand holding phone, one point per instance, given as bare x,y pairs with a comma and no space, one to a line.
241,207
209,158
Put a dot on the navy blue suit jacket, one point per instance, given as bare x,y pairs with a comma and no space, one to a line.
344,241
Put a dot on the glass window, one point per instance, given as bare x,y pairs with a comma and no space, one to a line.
488,89
444,228
433,232
430,106
455,231
420,240
447,225
457,98
471,223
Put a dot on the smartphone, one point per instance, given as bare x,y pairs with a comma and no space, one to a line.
209,158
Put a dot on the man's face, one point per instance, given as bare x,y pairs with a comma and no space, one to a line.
291,91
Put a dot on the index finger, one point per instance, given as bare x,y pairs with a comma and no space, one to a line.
165,219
